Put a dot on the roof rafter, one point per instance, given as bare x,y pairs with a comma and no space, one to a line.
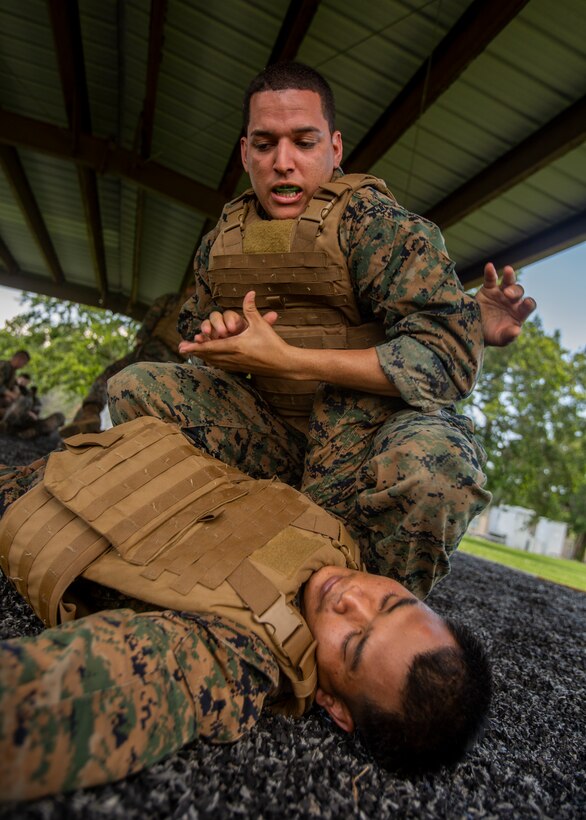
293,29
146,126
107,158
67,36
469,37
23,280
552,240
7,258
561,134
23,194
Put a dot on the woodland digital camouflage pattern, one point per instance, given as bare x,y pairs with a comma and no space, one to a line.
405,474
155,682
15,481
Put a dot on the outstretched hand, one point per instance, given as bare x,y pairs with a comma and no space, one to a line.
504,308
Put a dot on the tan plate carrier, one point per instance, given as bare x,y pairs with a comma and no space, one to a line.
296,267
139,509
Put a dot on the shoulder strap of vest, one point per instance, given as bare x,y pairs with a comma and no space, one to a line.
234,214
312,219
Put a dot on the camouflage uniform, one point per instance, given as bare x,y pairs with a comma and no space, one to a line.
21,418
148,348
7,381
97,699
405,474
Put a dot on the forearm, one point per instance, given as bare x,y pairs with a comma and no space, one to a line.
150,683
353,369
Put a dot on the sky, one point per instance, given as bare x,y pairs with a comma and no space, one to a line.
557,283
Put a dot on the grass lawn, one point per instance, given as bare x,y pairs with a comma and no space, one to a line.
559,570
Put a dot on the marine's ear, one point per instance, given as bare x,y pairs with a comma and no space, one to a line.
336,709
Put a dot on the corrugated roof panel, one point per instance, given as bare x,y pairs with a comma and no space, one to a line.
99,31
134,43
56,189
509,219
565,179
168,239
109,191
128,196
357,50
496,103
30,77
208,60
16,235
527,75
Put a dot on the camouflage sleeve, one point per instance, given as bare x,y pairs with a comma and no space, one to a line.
200,305
404,278
157,310
16,481
97,699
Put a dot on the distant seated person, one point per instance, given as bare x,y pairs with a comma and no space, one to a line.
195,595
23,383
9,390
157,340
23,417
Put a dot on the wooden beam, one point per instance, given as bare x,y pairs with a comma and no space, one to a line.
107,158
64,17
295,25
146,127
564,235
81,294
68,40
154,59
88,186
23,194
557,137
482,21
7,258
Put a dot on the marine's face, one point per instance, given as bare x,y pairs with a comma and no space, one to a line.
368,630
288,150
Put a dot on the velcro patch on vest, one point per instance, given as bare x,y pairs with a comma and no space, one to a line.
268,236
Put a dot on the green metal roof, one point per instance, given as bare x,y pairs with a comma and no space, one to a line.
119,120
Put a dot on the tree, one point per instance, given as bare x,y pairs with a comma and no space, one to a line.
70,344
530,410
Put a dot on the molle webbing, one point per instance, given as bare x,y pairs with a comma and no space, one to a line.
140,510
307,283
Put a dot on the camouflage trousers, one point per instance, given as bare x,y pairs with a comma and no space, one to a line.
100,698
153,350
405,483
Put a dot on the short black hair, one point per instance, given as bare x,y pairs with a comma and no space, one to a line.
291,75
22,354
444,707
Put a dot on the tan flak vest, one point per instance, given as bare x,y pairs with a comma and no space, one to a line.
140,510
296,267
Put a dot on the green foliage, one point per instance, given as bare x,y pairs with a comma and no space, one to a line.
530,411
69,344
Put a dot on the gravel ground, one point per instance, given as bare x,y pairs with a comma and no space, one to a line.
530,764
